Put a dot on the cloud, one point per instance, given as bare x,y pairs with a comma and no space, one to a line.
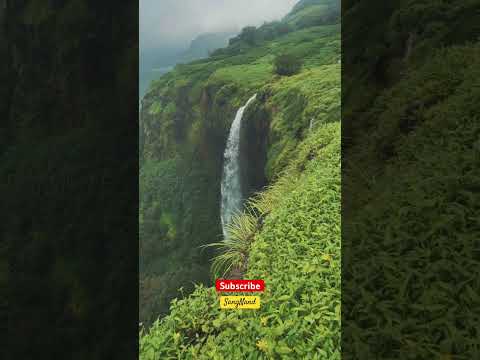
167,22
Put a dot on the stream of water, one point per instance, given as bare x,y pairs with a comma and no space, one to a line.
231,187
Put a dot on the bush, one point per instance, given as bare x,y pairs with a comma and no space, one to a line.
249,35
287,65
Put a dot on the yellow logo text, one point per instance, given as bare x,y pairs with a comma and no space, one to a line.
240,302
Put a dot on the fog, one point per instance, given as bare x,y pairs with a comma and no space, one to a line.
169,23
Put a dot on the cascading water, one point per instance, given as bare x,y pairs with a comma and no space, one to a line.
231,187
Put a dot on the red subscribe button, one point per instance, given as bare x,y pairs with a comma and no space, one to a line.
239,285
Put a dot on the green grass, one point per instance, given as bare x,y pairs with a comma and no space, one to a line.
248,76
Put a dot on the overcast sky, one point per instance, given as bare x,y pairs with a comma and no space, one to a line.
167,22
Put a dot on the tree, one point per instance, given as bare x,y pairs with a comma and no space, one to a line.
249,35
287,65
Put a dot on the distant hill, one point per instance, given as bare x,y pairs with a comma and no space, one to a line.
156,62
314,12
204,44
152,60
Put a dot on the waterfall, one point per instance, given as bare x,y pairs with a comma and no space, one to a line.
231,187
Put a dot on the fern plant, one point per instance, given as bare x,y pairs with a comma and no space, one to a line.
233,249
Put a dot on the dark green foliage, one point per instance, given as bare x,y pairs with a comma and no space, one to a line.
410,180
400,33
287,65
178,213
249,35
425,133
274,30
68,165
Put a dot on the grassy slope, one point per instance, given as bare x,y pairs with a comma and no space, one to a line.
411,181
297,253
186,116
303,165
422,249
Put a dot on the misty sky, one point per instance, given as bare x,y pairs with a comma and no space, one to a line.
168,22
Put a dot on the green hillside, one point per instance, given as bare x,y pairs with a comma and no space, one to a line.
296,252
410,165
292,148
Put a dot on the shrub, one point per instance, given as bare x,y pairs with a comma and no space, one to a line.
233,249
248,34
287,65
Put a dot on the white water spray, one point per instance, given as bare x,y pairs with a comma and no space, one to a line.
231,187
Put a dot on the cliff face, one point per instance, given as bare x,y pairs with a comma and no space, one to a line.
184,139
186,116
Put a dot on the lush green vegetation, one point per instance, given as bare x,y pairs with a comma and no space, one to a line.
294,123
309,12
410,185
296,252
286,64
68,166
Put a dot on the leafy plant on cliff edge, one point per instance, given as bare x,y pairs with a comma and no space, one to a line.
235,246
